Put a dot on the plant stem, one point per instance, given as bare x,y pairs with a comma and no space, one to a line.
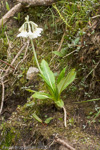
35,56
65,115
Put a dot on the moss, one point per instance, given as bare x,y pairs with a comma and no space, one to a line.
10,136
21,124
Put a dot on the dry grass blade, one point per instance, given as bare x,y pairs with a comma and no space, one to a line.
3,92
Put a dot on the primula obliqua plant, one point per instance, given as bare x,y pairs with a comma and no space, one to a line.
55,87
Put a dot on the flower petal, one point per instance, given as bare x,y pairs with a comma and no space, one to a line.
30,35
35,34
23,34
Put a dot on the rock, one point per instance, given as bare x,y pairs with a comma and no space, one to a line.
31,73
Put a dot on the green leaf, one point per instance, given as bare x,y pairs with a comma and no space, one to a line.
59,103
29,104
76,41
61,75
66,80
97,114
48,120
41,95
7,6
64,51
91,100
18,16
58,53
47,75
37,118
29,90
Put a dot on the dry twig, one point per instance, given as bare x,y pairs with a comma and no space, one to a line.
37,2
19,6
7,64
10,14
9,43
92,70
3,92
60,141
23,47
5,73
25,55
59,48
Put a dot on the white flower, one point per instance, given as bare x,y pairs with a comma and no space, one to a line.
29,29
23,34
38,31
35,34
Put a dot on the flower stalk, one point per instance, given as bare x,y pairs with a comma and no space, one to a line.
30,30
35,56
65,116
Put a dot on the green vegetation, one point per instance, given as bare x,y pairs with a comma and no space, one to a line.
65,26
55,89
7,6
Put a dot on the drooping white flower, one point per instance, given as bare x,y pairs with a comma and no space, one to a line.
35,34
23,34
29,29
38,31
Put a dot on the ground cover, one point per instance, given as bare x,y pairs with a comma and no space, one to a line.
73,43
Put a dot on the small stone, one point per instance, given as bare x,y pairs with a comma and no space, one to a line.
31,73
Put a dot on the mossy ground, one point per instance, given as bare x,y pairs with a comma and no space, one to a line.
22,126
18,126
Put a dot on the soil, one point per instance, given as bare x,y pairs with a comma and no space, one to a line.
83,131
89,58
